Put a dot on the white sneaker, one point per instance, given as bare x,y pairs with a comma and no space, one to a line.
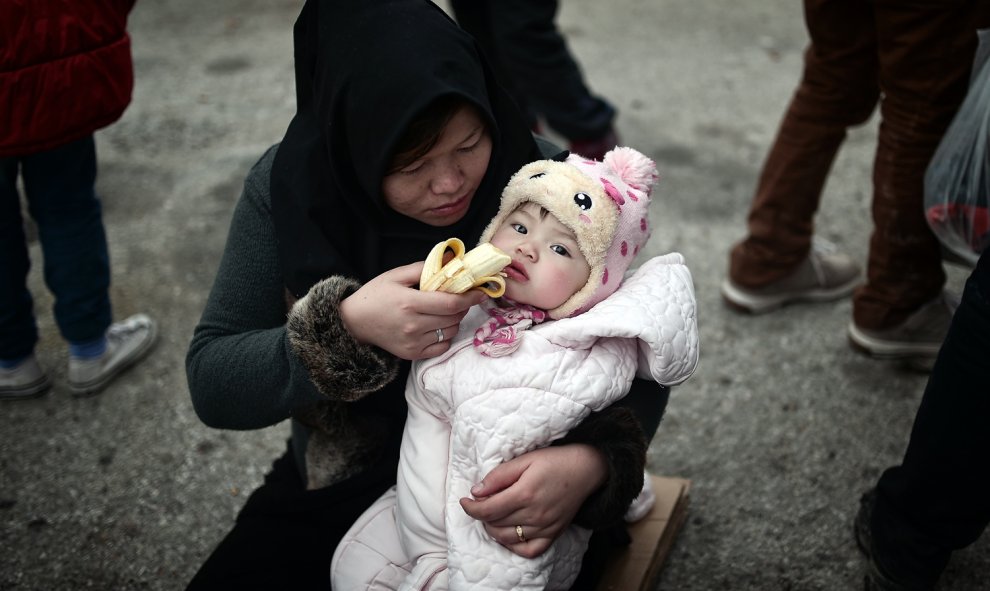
127,343
25,380
825,275
643,503
919,337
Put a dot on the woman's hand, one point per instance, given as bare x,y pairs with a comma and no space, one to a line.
540,491
390,313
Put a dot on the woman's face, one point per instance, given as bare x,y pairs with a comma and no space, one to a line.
437,188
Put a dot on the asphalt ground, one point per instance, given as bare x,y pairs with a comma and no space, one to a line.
780,430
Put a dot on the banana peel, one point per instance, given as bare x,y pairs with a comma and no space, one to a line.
480,268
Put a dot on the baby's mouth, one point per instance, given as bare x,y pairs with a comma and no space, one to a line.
516,271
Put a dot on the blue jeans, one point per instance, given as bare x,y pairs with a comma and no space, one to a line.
938,499
61,198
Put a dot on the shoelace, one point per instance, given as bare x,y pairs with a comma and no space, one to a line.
820,246
119,332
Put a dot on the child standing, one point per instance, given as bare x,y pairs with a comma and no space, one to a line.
566,339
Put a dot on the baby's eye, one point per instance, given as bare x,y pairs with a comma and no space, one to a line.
519,228
561,250
468,149
583,201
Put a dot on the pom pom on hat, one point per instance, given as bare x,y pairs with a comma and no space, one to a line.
634,168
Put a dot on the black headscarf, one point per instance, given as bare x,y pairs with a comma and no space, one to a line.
364,70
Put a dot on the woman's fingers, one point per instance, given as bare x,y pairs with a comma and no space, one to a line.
500,477
497,512
390,313
452,306
541,491
438,340
529,543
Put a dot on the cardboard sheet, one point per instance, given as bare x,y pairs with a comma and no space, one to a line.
637,567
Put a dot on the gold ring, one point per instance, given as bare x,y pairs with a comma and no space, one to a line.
439,335
519,534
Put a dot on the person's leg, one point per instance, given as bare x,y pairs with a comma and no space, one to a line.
20,374
838,89
603,547
61,193
542,68
371,554
60,189
938,499
285,536
926,53
18,329
474,16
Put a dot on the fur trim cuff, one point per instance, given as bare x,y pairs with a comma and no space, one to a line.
615,432
340,367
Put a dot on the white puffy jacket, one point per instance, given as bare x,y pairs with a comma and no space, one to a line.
469,413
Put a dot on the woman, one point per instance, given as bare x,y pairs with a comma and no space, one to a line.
401,139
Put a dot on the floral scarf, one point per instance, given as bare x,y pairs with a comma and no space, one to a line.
499,335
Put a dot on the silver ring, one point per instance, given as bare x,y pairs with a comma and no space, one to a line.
439,335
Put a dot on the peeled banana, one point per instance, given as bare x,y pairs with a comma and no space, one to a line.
480,268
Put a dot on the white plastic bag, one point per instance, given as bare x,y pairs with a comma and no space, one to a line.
957,181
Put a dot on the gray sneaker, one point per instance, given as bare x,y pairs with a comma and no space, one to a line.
127,343
824,276
25,380
919,337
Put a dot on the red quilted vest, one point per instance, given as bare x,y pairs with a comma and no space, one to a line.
65,70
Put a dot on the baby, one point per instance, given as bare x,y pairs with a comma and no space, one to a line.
565,339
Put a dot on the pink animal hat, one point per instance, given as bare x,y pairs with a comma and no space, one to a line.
605,204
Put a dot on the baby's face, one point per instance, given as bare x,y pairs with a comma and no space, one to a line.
547,266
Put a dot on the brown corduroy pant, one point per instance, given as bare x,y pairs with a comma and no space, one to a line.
915,54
